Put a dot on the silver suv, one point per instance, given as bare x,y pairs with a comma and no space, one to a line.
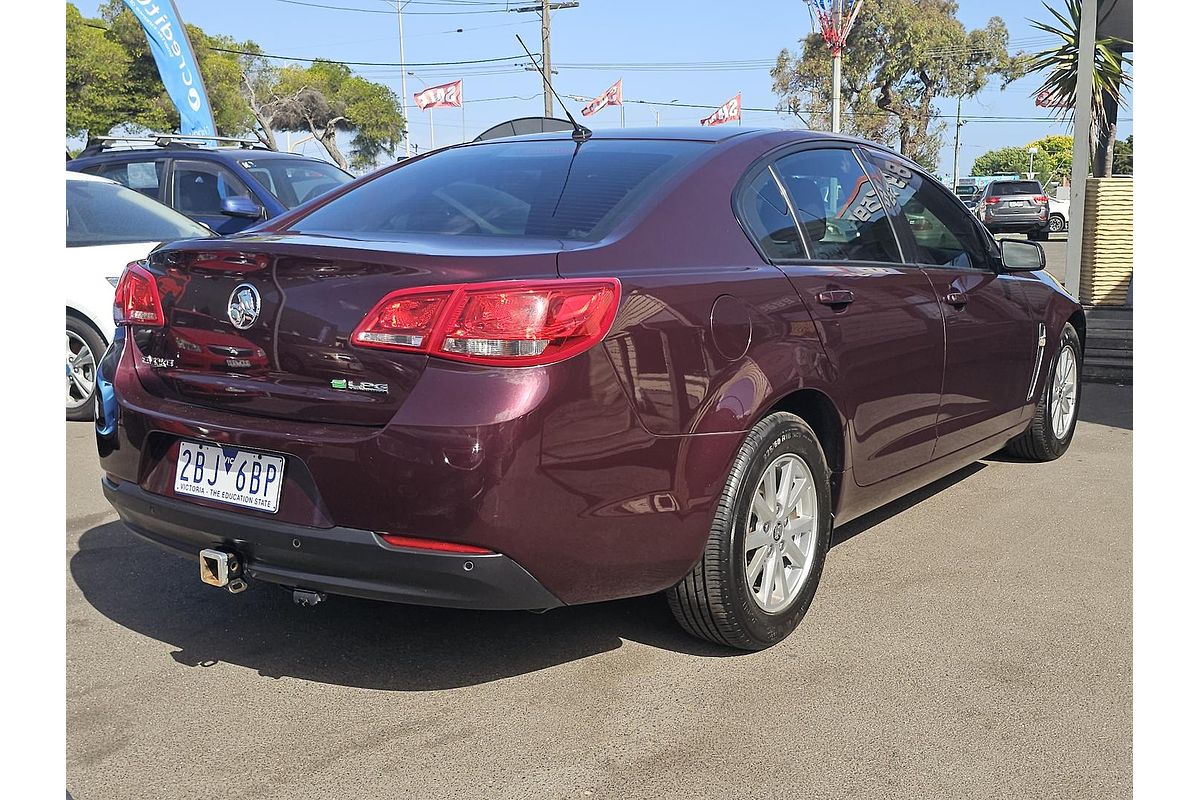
1015,207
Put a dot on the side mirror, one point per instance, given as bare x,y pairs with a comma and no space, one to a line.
240,206
1018,256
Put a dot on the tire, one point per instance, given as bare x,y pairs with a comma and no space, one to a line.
1057,224
84,349
1043,440
717,600
1038,235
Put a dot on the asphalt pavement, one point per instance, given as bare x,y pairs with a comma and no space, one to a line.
970,640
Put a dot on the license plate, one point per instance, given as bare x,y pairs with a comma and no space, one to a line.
1015,203
229,475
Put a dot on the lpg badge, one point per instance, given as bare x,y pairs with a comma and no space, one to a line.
358,386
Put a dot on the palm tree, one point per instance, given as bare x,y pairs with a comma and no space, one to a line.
1108,78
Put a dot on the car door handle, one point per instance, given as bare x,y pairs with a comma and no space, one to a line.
957,298
836,297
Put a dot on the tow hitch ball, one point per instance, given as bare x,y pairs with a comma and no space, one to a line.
222,568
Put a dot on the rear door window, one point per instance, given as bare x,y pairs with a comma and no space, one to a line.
765,214
838,208
537,189
144,177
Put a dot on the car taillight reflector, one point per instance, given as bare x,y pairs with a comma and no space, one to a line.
401,321
396,540
1041,198
991,201
511,323
136,300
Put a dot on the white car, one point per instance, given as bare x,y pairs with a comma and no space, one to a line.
108,226
1060,213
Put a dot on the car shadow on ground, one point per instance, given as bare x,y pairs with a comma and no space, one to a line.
367,644
346,641
854,527
1107,404
376,645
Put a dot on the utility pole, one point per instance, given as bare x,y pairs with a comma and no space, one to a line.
836,125
544,9
958,123
403,81
835,22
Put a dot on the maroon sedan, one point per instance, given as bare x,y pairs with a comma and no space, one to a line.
651,361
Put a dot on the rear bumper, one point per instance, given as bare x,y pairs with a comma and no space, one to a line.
336,560
1025,221
568,485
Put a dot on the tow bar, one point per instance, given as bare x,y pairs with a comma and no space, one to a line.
222,568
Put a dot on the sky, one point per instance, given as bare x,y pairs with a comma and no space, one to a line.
592,46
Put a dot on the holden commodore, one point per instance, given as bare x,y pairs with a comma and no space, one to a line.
573,367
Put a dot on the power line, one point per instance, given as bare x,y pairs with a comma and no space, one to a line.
357,10
364,63
543,9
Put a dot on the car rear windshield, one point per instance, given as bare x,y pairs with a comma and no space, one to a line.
99,212
296,180
532,189
1015,187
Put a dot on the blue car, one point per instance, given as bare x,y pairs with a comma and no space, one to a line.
228,188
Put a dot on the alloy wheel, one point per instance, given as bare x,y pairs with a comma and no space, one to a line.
81,371
781,537
1063,393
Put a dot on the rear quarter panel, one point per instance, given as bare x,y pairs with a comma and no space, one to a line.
709,335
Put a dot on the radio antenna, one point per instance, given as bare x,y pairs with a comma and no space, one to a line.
580,134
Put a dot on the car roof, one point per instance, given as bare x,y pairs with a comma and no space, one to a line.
693,133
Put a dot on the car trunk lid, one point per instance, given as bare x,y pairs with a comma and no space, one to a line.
260,324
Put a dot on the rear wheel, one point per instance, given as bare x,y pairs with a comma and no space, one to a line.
1038,235
766,548
1057,223
84,348
1053,426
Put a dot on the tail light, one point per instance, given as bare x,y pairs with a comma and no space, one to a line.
991,201
510,323
1041,198
136,301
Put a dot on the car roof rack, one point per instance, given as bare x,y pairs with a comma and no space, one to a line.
99,144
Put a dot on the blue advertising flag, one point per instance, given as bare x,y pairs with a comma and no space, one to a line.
176,64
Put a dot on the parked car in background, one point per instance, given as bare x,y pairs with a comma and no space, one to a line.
580,369
228,189
1060,213
108,226
1015,206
